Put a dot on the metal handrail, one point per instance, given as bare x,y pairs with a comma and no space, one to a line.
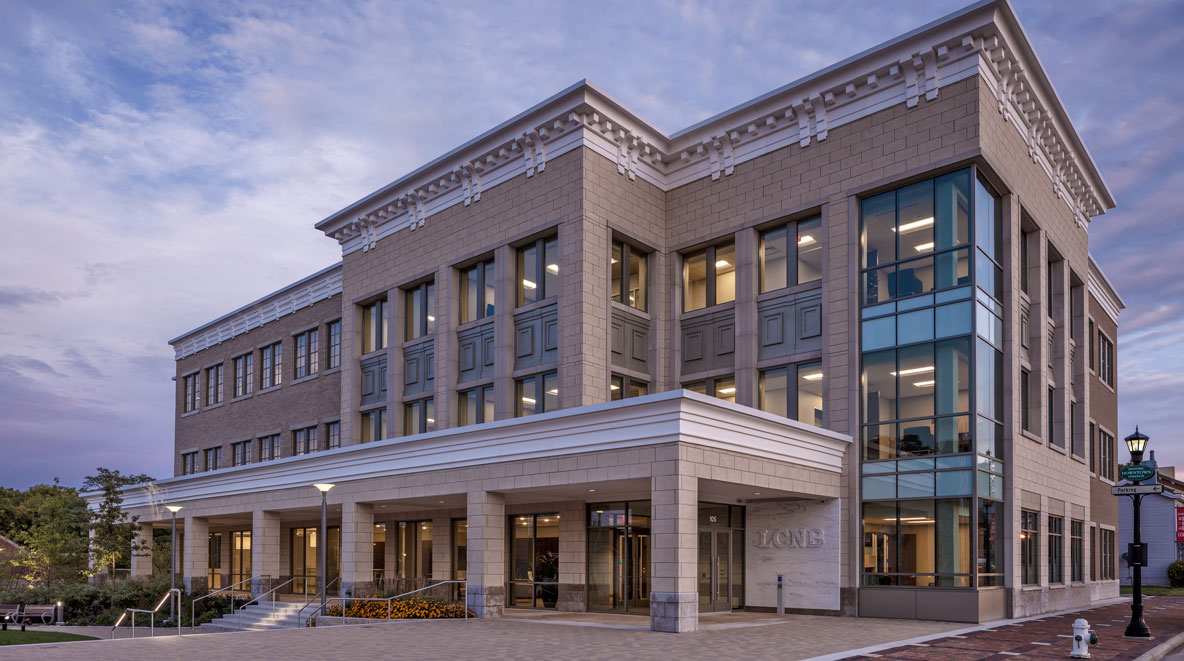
151,614
316,598
193,604
389,600
272,592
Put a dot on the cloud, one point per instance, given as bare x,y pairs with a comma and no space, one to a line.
15,297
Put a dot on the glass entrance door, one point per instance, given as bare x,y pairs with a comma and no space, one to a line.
306,555
715,570
619,557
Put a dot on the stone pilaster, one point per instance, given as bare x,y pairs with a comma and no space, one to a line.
486,553
674,602
197,554
747,339
357,548
142,557
265,551
503,333
573,548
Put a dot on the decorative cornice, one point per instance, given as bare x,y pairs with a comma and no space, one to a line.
1104,292
984,39
660,418
296,296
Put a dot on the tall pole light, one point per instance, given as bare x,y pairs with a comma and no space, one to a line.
1136,443
173,561
323,487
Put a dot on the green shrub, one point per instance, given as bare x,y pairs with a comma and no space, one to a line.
1176,573
87,605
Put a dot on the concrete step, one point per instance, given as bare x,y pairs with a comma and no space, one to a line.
261,617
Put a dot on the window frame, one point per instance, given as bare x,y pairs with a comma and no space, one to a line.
374,423
414,329
189,463
305,445
240,453
482,269
1108,554
271,372
712,385
540,399
426,421
244,374
1107,451
712,295
1056,549
541,268
270,447
307,357
374,322
792,254
1105,359
214,384
191,392
1076,551
216,454
479,393
333,331
627,250
1029,547
623,385
333,435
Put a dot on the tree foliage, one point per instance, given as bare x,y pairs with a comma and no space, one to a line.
111,527
50,522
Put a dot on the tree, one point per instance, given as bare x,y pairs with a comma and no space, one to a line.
50,523
112,528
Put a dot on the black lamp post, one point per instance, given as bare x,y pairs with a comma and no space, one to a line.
1136,443
173,561
323,541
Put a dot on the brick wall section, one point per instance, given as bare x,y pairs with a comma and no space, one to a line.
310,402
1103,411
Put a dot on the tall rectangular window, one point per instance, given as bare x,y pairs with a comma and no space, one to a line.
244,374
333,435
241,453
272,362
1024,278
374,425
1105,360
791,255
192,392
538,271
334,344
269,447
213,458
1076,551
1093,450
537,394
1056,549
794,392
1026,399
720,387
477,291
709,276
1107,554
475,406
627,275
420,314
214,385
189,463
1052,422
304,441
1106,453
1030,547
990,547
1093,359
419,416
307,353
374,326
623,387
1093,553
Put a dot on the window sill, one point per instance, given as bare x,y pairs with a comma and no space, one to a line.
790,290
331,371
366,408
186,415
703,312
1031,588
530,307
629,309
211,407
422,339
1030,436
488,319
242,397
373,354
303,379
264,391
1059,449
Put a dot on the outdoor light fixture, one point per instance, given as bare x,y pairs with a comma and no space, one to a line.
1135,444
173,561
323,487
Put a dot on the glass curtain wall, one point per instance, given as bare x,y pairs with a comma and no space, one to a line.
240,558
931,384
534,561
214,571
618,568
413,555
306,555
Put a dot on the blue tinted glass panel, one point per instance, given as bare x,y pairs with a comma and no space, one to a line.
915,485
990,327
954,483
989,381
879,310
952,389
879,333
952,209
914,327
955,295
989,438
915,303
879,230
915,464
986,220
880,467
953,435
962,461
953,319
877,285
879,486
912,278
988,276
952,269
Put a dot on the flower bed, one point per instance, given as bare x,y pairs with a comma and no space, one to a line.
399,609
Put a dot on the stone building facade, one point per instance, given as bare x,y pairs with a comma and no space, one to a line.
847,335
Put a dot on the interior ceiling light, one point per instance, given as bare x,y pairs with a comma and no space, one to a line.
527,400
925,384
553,268
914,370
614,387
728,391
528,284
722,263
924,246
915,225
553,391
812,377
805,240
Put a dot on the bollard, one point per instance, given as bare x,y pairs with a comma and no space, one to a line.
60,610
780,596
1082,639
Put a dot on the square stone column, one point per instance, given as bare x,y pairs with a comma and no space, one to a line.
197,554
747,336
486,553
142,557
357,548
390,561
265,551
573,548
674,602
504,269
442,557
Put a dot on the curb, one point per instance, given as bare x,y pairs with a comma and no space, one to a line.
1163,649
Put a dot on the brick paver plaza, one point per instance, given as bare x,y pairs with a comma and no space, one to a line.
797,637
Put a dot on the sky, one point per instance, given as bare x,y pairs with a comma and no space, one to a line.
163,163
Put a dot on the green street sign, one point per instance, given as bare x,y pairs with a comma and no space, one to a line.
1136,472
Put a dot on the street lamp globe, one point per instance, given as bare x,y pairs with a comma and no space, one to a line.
1135,444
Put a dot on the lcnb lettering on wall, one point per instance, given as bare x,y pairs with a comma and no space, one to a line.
790,538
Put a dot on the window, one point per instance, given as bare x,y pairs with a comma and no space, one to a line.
1106,453
785,263
334,344
1107,554
241,453
709,276
1092,356
721,387
192,392
477,291
475,406
374,326
1026,399
1093,451
269,447
1049,281
533,575
1056,549
623,387
244,374
413,554
794,392
307,353
373,425
333,435
537,394
273,358
214,385
627,275
1052,424
189,463
1093,553
1105,359
420,314
990,548
213,459
1076,552
304,441
419,416
1029,547
1024,238
538,271
917,542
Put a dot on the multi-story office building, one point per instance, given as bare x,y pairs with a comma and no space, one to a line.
848,333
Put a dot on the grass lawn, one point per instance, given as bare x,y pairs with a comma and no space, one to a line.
19,637
1155,591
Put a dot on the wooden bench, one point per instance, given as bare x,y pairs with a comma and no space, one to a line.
8,613
34,613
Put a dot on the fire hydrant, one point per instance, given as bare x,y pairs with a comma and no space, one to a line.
1083,638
